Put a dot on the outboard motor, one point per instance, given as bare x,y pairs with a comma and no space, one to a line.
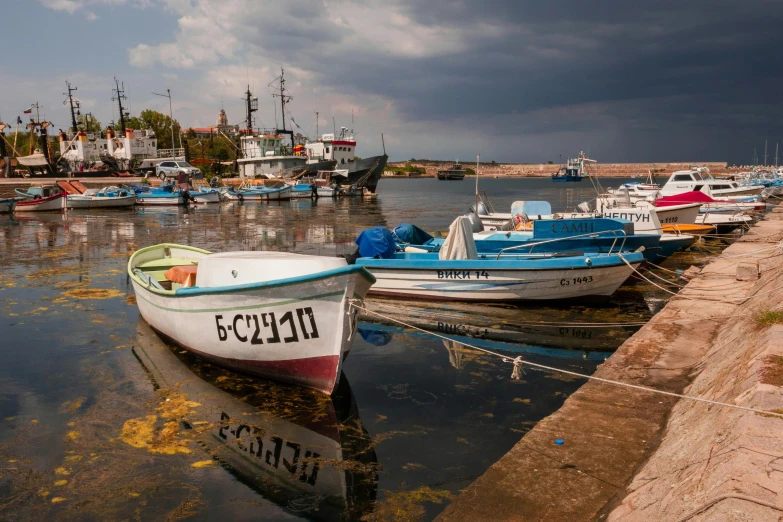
475,221
482,209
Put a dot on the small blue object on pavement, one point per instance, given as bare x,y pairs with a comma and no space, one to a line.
559,441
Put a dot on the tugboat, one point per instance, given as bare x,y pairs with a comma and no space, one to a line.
574,170
456,172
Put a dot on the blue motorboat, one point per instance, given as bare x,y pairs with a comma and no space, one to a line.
459,272
589,235
261,193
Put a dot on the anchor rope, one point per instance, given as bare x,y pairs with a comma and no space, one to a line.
518,362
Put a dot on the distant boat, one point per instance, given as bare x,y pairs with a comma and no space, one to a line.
574,170
456,172
50,203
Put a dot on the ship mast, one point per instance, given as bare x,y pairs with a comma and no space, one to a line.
284,100
74,124
119,95
251,106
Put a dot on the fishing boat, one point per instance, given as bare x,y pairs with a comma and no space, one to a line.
341,148
459,272
204,196
589,235
54,203
306,458
707,203
260,193
646,219
107,197
7,205
37,191
285,317
168,194
455,172
574,170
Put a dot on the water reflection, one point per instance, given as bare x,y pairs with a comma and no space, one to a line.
306,453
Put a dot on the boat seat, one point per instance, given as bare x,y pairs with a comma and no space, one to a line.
184,275
148,279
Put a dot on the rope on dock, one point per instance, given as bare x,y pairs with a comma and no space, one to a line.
519,361
738,300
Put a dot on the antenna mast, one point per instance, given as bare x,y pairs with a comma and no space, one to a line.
119,95
251,106
284,100
71,102
316,125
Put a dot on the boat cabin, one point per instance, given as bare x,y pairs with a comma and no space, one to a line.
264,155
87,149
341,149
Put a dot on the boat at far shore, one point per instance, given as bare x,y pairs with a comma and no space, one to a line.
456,172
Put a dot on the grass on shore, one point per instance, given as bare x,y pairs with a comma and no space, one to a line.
766,318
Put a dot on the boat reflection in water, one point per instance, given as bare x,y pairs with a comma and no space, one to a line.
540,326
306,452
457,345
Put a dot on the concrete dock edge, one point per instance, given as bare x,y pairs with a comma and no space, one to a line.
633,455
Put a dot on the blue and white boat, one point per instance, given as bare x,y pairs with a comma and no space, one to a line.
260,193
163,195
574,170
593,235
646,219
459,272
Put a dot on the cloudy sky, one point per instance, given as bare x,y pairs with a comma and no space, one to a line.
513,80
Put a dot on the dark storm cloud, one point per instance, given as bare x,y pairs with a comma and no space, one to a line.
703,64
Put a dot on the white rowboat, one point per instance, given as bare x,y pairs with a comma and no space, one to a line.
281,316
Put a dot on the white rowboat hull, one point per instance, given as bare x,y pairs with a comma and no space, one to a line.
297,333
53,203
100,202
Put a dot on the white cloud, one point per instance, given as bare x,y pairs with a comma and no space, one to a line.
72,6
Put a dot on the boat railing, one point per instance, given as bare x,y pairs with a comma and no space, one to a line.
171,153
594,235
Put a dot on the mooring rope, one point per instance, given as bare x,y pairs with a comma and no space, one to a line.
698,298
518,362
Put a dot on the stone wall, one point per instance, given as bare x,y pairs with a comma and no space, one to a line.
599,169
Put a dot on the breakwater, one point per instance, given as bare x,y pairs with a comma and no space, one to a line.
534,170
628,454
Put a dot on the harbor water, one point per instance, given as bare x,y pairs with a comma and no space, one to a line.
101,419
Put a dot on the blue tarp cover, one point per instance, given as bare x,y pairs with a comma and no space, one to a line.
411,234
376,242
